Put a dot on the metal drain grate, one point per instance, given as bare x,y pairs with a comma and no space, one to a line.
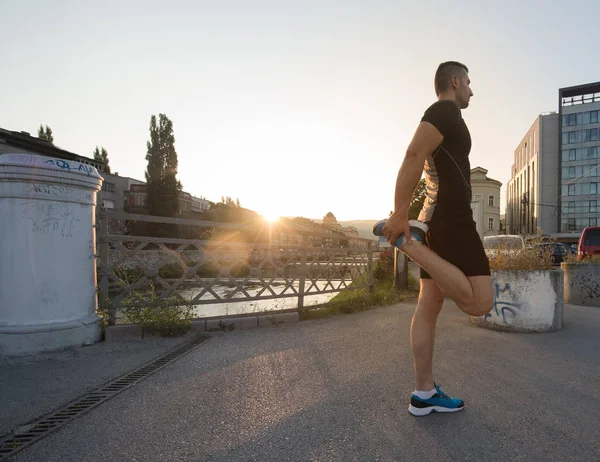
29,434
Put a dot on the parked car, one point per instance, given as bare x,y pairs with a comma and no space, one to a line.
589,242
558,249
505,243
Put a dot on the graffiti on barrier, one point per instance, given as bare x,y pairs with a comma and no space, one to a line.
592,290
505,306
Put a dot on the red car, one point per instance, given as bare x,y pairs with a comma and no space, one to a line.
589,243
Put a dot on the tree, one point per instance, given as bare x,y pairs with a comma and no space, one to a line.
45,133
102,156
163,188
416,203
229,202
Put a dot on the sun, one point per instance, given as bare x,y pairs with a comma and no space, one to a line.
270,217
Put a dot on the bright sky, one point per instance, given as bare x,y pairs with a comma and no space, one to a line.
294,107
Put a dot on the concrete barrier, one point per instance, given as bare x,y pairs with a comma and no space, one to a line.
525,301
582,283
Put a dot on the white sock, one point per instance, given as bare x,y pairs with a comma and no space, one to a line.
425,394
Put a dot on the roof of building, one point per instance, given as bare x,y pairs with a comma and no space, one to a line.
24,140
580,89
487,179
479,169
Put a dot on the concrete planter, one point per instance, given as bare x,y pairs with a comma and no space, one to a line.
582,283
525,301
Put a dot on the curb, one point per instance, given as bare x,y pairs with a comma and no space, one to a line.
128,332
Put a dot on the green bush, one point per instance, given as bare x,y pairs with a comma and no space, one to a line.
383,268
171,271
166,317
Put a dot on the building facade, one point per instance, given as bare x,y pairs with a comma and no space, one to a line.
115,189
532,191
579,175
485,202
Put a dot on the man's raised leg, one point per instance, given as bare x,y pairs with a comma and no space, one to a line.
473,295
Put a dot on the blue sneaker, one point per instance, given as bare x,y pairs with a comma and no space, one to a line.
418,231
440,402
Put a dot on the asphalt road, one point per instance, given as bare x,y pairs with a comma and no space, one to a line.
338,390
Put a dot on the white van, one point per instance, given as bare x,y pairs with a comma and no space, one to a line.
510,243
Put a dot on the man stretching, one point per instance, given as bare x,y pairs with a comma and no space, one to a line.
444,241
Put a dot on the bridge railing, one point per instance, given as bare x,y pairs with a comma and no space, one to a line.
225,262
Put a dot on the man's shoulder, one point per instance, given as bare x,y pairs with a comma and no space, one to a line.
445,105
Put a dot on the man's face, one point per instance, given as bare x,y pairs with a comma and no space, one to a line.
463,91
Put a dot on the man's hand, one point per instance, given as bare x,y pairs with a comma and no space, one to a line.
397,225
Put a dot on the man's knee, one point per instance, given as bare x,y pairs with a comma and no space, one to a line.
480,306
430,293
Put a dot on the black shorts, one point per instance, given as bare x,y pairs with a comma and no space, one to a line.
460,244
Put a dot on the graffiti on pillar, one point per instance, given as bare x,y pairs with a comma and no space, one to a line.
49,189
76,167
49,218
505,306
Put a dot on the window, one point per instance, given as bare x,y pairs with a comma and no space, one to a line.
572,119
594,169
571,208
571,225
594,134
593,152
594,117
110,187
580,136
572,153
580,118
572,137
593,221
491,201
593,206
571,172
491,223
108,204
593,188
586,118
571,190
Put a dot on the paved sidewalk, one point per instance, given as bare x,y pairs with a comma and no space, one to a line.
33,386
337,390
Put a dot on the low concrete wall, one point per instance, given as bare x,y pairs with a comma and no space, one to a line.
124,332
582,283
525,301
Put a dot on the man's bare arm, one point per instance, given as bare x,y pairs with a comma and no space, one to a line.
426,139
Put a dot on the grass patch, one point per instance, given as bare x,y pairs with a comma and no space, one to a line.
357,300
531,258
593,259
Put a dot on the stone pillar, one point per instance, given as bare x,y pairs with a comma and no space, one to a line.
47,254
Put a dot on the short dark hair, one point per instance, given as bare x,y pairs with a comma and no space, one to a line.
445,72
